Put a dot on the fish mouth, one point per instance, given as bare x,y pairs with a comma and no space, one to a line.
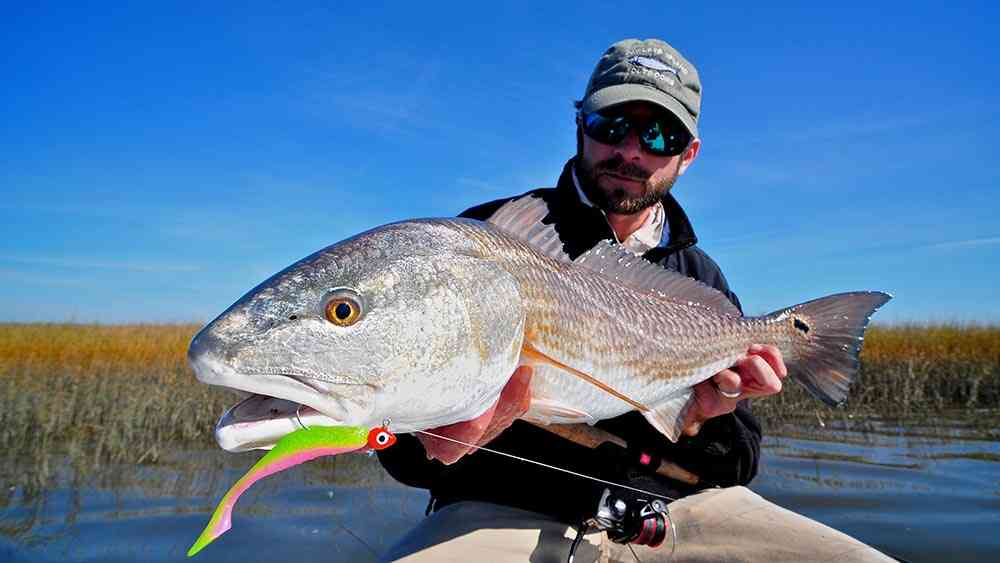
275,403
258,422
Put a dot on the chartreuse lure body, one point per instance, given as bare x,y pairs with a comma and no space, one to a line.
295,448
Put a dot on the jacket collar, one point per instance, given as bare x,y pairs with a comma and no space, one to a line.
680,235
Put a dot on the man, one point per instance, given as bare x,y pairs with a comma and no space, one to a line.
636,134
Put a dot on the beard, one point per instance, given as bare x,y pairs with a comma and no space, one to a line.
616,199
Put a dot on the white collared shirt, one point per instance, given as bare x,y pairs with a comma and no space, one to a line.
647,236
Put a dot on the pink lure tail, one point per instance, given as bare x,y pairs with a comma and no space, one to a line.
295,448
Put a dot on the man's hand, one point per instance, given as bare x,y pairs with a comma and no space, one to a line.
513,402
757,374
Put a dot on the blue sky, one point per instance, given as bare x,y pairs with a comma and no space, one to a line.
157,161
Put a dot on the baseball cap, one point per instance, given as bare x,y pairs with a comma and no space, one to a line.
649,71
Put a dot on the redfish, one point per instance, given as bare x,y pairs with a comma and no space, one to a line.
422,323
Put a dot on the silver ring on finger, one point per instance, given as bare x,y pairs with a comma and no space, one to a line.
727,394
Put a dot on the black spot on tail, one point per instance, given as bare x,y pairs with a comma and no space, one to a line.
801,326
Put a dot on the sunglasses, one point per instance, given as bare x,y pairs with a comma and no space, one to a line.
662,136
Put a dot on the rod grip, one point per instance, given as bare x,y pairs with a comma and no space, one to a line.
591,437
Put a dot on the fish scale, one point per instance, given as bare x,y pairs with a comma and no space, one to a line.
582,315
646,346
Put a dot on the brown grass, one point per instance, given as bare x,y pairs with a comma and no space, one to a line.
124,393
118,393
908,371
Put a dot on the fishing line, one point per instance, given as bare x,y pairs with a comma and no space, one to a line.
512,456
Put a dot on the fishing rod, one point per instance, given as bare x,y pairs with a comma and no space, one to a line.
541,464
643,522
592,436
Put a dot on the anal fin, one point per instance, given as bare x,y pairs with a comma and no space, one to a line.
668,416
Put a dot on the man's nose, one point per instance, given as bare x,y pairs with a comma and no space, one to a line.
629,148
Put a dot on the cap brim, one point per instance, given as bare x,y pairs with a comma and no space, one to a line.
624,93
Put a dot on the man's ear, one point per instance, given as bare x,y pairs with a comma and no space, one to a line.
689,155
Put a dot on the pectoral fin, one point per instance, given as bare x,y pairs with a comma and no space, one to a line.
668,416
530,355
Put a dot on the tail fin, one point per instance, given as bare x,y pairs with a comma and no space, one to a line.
833,329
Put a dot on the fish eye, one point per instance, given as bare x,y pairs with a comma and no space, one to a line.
343,308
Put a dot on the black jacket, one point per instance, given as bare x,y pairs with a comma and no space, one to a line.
725,452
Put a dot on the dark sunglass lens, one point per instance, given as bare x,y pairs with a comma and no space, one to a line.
654,140
608,130
666,137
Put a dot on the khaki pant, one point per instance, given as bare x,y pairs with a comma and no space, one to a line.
733,524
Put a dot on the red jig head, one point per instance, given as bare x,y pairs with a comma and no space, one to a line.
380,438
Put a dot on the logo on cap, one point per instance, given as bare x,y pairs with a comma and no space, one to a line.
653,64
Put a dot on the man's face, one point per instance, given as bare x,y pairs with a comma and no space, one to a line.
624,178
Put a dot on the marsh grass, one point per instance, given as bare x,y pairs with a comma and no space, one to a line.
907,371
124,394
102,394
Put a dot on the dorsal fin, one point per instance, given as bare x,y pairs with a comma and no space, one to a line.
613,261
522,218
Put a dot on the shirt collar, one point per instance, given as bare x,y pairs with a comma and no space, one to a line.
647,236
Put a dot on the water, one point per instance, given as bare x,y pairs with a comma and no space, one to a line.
923,492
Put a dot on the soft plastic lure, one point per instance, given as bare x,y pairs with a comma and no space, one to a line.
295,448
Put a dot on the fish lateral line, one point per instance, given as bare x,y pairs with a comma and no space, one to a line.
534,356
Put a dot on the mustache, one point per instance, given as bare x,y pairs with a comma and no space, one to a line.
618,166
